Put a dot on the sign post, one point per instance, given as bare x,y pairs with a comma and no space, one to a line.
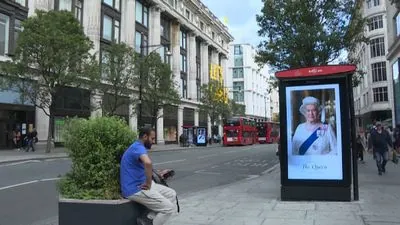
317,132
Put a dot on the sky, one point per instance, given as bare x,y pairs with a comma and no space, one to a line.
241,16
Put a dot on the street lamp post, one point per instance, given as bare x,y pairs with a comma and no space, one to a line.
144,58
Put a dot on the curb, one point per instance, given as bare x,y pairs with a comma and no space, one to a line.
66,156
29,159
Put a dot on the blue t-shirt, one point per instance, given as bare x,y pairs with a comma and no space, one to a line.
132,172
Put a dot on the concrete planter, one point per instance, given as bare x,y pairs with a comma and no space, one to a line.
99,212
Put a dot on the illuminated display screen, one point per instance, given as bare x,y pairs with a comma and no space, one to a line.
314,133
201,136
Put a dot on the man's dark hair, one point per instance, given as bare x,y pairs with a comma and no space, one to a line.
145,131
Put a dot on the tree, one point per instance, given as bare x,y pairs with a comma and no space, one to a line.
237,109
213,102
308,32
52,52
158,87
117,77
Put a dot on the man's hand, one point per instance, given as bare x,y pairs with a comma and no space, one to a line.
146,186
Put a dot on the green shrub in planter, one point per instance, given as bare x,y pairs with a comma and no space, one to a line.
95,147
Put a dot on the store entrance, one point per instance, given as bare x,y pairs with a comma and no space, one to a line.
14,117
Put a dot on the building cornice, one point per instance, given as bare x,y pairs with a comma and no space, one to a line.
182,20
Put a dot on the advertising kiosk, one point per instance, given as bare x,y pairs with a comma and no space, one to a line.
196,135
317,131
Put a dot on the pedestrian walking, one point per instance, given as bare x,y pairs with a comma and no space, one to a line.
360,148
379,142
32,139
17,139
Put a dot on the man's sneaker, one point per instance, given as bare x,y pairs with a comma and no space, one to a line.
144,221
380,173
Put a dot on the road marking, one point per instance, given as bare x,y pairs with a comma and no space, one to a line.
250,177
271,169
50,179
206,156
229,152
19,163
28,182
17,185
205,172
173,161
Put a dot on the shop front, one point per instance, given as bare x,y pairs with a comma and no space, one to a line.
70,102
16,112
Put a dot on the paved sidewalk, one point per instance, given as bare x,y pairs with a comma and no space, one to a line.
256,202
11,156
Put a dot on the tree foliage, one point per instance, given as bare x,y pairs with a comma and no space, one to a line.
212,103
52,51
117,77
308,32
158,86
237,109
95,147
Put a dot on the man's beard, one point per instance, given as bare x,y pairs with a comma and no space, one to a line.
147,145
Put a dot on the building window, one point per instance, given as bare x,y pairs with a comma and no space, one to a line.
21,2
397,24
238,73
238,50
4,33
201,26
184,87
377,47
113,3
17,30
111,29
172,3
183,63
375,22
65,5
163,54
238,92
107,28
142,14
381,94
141,42
79,10
104,60
369,4
198,92
183,39
188,14
379,71
74,6
165,29
238,60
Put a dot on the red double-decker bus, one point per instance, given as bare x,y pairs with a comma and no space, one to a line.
267,132
240,131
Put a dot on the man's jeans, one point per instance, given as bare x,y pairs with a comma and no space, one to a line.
381,160
160,199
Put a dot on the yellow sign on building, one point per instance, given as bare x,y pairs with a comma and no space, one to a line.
216,73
